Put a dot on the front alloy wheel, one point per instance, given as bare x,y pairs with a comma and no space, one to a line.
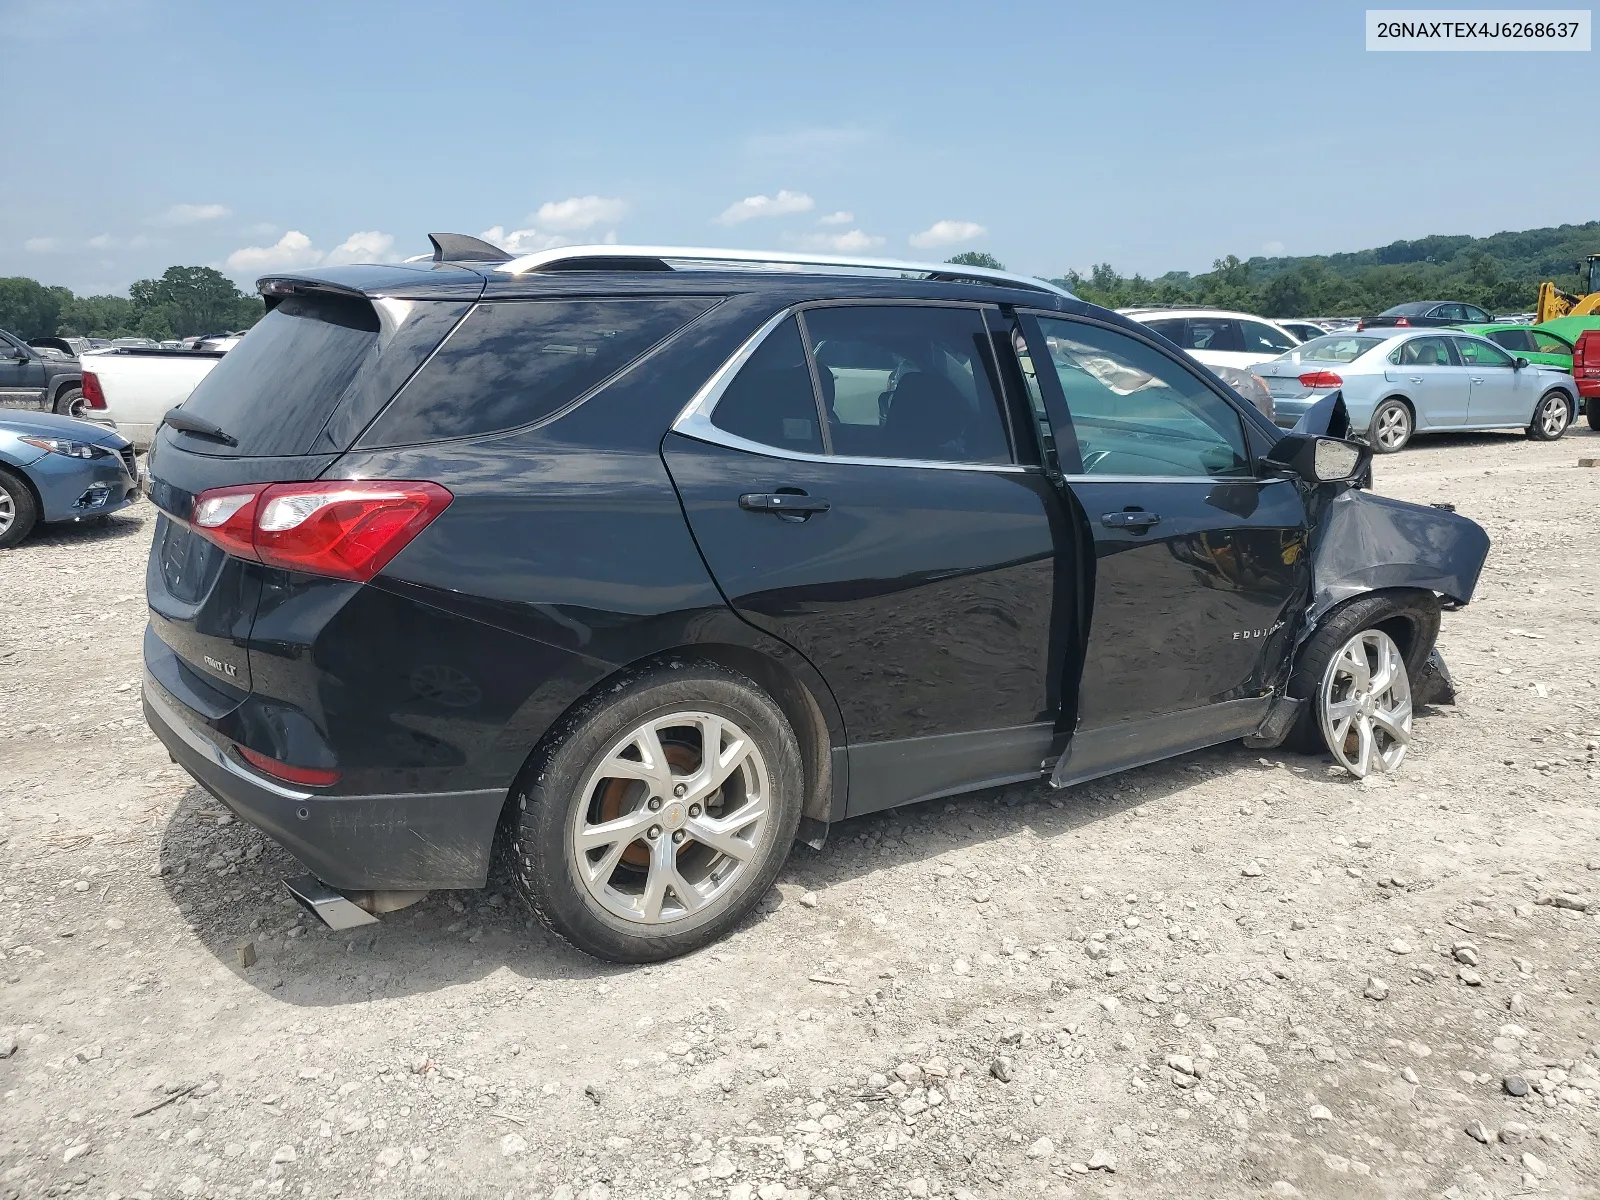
1551,418
1364,704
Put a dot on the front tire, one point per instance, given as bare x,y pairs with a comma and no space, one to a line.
1591,409
19,513
634,843
1357,683
1551,416
1392,426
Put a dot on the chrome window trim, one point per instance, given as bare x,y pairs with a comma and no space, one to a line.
1210,480
694,421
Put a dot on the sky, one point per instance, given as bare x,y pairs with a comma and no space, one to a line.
1155,136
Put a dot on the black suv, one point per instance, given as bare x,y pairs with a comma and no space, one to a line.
656,563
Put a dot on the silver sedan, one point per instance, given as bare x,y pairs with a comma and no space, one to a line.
1400,384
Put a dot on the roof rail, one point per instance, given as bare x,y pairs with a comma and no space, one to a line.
635,258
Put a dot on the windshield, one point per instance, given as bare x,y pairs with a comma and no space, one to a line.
1335,347
1415,309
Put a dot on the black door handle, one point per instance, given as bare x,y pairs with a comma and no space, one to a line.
1137,521
783,504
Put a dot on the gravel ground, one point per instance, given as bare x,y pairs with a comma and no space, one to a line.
1222,975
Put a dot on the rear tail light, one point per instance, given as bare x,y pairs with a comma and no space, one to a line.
94,395
1401,321
1317,380
346,529
310,776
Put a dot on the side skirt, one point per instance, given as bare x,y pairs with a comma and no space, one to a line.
886,774
1096,752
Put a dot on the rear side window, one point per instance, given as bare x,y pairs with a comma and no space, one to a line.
513,362
771,400
1260,338
276,388
1518,340
1549,343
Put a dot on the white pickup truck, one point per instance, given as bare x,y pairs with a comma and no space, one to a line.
132,389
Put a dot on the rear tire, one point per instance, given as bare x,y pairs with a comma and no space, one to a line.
1591,410
1392,426
19,512
1551,416
605,829
70,403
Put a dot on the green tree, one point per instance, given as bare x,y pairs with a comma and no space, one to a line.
190,300
977,258
96,316
28,308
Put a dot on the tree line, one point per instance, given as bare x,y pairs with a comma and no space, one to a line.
1501,273
183,302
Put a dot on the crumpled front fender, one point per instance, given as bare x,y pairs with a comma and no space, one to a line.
1363,543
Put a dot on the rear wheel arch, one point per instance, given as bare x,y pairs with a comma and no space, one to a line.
808,714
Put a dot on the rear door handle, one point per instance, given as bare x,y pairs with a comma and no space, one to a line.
1129,520
1415,378
1476,378
783,503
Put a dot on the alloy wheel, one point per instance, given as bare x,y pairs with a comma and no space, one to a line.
1394,427
1364,704
1553,416
8,510
677,810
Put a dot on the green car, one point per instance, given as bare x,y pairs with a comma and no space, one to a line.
1549,345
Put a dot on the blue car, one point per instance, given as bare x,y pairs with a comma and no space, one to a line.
60,469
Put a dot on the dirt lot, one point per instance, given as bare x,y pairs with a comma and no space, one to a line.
1224,975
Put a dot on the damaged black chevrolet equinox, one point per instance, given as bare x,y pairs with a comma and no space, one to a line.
647,563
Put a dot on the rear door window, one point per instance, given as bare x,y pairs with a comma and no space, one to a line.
908,382
1213,333
514,362
1549,343
1261,338
276,388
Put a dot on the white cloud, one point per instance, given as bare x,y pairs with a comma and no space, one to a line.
193,214
844,243
781,205
525,241
837,218
1273,248
41,245
293,249
947,233
105,241
579,212
365,246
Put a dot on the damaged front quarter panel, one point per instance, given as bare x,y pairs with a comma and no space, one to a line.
1363,543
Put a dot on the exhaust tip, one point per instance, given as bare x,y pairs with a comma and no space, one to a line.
333,909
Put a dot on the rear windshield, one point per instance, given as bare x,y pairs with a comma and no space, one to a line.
513,362
1336,347
1415,309
275,389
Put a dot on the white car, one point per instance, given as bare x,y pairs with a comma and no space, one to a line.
1217,337
1304,330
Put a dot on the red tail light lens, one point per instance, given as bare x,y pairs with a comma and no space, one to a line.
310,776
1401,321
345,529
1317,380
93,395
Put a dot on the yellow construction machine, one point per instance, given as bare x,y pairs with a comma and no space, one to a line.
1553,302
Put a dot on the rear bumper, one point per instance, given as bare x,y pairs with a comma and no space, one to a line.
412,842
